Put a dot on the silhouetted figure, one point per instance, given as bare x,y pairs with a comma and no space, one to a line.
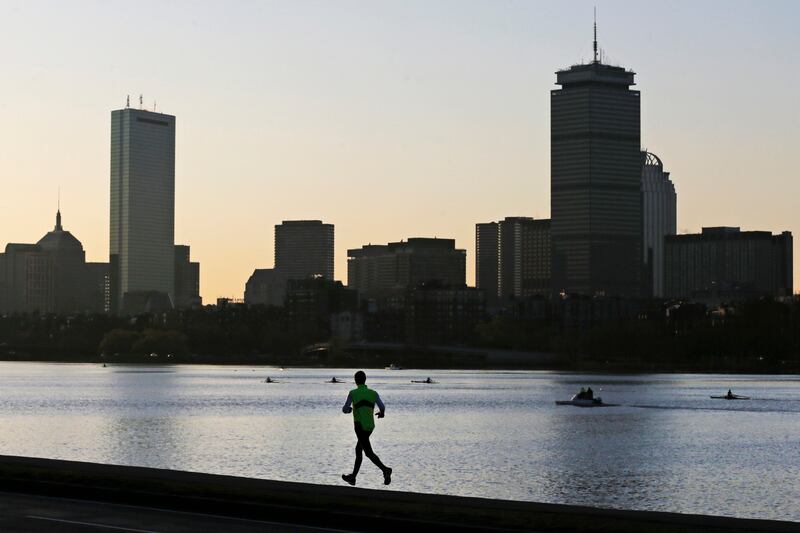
363,401
268,380
582,394
729,395
589,394
428,380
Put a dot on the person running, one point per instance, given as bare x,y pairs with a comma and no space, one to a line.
361,402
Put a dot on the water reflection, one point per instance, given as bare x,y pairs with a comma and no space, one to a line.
490,434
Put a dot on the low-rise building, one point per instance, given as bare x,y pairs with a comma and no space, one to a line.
726,263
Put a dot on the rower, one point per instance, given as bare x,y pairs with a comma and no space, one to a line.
729,395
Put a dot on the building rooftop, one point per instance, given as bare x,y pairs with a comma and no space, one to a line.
59,240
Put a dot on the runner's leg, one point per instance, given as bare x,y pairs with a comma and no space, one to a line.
363,441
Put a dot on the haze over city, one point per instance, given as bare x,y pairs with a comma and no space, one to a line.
388,120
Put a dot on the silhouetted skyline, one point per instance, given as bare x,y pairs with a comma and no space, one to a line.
441,122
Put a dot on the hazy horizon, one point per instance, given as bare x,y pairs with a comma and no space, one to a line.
388,120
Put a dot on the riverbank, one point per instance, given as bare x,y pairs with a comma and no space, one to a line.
327,506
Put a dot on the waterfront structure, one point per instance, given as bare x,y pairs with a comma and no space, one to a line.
142,226
404,264
303,249
187,279
726,263
659,219
512,258
596,181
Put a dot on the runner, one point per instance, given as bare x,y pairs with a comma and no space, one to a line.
363,401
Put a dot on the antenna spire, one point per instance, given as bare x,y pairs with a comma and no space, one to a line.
58,212
595,34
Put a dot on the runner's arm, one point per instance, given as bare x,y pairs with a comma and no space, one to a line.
346,408
380,405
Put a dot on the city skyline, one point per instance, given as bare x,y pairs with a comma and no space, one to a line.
453,149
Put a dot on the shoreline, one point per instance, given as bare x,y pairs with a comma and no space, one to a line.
369,365
336,506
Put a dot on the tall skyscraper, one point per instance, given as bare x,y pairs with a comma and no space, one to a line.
513,258
659,204
142,206
304,248
596,181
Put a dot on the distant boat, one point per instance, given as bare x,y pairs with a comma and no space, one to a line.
585,402
731,397
334,380
269,380
426,381
394,367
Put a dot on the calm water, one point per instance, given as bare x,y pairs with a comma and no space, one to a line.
667,447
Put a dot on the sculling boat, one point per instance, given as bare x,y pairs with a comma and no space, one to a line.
733,397
426,381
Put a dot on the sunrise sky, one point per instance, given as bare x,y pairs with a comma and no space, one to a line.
388,119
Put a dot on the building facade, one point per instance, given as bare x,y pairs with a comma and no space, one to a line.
265,287
404,264
596,182
51,276
303,249
512,258
187,279
726,263
659,219
142,228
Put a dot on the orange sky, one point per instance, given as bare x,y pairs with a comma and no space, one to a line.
388,120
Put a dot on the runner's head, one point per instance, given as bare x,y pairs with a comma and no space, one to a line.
360,377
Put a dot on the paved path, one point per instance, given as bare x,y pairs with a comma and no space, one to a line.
26,513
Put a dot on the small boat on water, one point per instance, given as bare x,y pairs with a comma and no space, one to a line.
334,380
731,397
426,381
394,367
585,402
270,380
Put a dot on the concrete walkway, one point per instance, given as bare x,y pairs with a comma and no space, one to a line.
43,494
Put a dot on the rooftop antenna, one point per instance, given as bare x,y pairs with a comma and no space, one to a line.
154,106
141,101
58,212
595,34
128,102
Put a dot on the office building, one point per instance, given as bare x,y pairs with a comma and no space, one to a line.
142,228
726,263
265,287
659,219
51,276
596,181
404,264
512,258
303,249
187,279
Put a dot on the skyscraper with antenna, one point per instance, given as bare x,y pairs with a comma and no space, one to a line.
141,256
595,183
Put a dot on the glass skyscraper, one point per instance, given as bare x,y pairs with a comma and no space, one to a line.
142,204
596,170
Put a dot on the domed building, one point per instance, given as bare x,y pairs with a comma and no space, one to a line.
69,268
52,276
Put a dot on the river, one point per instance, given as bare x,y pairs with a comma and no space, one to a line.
667,446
